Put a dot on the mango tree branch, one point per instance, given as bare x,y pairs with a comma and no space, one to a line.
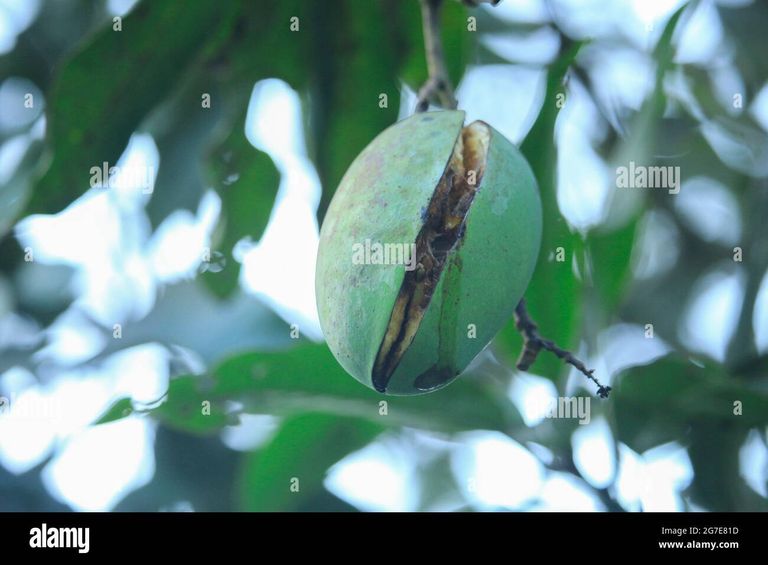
533,343
438,87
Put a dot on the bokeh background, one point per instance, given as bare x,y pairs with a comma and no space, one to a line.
159,344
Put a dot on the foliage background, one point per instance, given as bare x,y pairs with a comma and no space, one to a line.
651,82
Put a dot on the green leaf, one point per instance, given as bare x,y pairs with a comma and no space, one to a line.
559,318
193,409
353,65
13,192
717,481
250,52
301,451
245,178
247,182
609,247
182,129
122,408
610,253
642,131
116,78
745,26
657,403
308,379
56,30
553,294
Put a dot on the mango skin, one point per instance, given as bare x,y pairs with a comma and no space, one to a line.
382,197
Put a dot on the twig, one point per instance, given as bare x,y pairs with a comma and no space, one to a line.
475,3
438,86
533,343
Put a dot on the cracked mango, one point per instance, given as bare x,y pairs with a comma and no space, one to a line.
450,219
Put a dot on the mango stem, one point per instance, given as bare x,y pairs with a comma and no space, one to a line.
533,343
438,86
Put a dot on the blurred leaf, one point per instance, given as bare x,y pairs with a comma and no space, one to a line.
159,41
438,489
188,317
245,178
57,29
250,52
38,293
659,402
191,473
187,134
559,318
489,22
755,367
663,299
324,501
742,356
745,26
308,379
640,143
611,254
12,192
182,129
18,357
303,449
43,291
552,296
345,112
664,52
717,482
26,493
247,182
195,410
739,144
122,408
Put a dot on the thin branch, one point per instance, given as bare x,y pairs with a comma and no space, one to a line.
475,3
438,87
533,343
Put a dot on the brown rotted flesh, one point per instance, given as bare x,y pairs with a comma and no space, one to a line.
442,231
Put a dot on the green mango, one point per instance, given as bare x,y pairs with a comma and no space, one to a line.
428,245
